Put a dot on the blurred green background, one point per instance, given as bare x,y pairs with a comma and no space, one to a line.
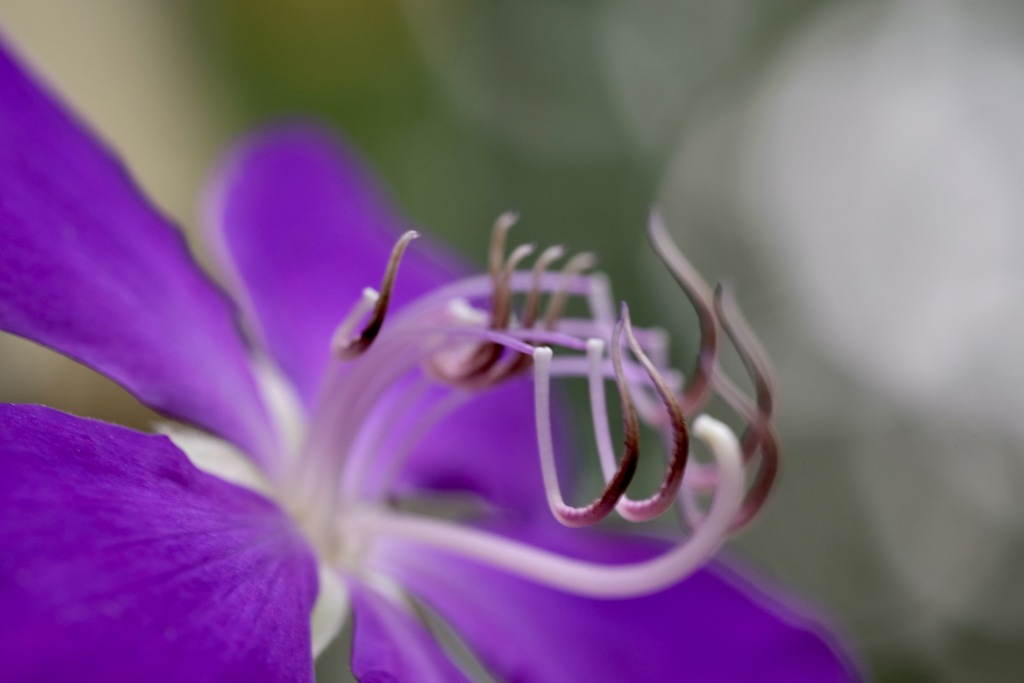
856,168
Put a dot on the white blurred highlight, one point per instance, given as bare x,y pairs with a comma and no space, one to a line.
886,162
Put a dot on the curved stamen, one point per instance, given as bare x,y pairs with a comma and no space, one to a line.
699,295
602,305
347,349
759,436
372,416
764,480
747,345
499,235
575,266
578,576
502,269
574,366
412,437
531,307
663,498
503,298
654,341
394,356
486,356
616,486
477,286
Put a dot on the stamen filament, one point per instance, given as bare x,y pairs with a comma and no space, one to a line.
700,297
599,298
531,307
582,577
759,436
370,416
411,438
576,366
663,498
480,363
747,345
499,235
578,264
617,483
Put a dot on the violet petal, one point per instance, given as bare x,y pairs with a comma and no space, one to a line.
120,561
390,644
713,627
91,270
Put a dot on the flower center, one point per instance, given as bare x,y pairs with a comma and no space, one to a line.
390,383
393,383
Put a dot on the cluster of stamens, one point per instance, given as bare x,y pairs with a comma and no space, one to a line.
473,348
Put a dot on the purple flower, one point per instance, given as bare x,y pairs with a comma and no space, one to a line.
311,485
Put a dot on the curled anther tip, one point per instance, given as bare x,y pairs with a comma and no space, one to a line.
585,260
518,254
655,218
667,492
499,235
678,266
555,251
531,307
346,348
546,258
717,435
657,229
577,265
507,219
542,353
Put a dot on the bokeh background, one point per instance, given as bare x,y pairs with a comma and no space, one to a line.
856,168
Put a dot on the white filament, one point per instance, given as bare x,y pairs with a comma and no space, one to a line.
357,414
580,576
329,610
424,424
599,408
599,417
545,442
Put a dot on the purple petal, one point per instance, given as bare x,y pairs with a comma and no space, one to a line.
88,268
120,561
713,627
391,645
304,232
